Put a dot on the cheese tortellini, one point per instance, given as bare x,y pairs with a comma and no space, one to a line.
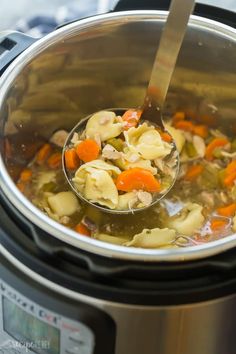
146,141
94,181
153,238
104,124
189,221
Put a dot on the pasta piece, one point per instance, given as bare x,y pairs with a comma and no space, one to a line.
147,142
177,135
153,238
104,124
127,201
81,174
111,239
190,219
146,164
234,223
45,178
100,188
63,203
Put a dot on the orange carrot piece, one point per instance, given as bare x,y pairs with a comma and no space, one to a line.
215,143
231,168
21,186
131,117
25,175
217,224
88,150
71,159
200,130
8,148
228,210
184,125
137,178
43,153
82,229
229,179
193,172
165,135
178,116
54,161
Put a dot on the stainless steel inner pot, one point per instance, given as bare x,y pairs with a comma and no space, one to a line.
105,61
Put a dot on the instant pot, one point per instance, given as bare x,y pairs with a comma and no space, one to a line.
61,292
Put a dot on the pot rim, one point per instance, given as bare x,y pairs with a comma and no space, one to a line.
59,231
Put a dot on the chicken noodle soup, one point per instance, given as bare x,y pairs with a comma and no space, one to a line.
115,162
199,208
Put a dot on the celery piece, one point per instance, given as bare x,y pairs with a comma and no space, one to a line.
210,177
221,176
233,145
217,153
190,149
117,143
120,163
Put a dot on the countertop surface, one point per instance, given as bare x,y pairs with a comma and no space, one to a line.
10,14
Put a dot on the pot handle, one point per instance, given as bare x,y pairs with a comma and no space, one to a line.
212,12
12,43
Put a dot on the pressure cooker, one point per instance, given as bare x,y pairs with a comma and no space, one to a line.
60,292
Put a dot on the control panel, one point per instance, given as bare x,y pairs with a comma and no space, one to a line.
26,327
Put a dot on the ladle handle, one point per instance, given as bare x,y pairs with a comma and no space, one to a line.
169,47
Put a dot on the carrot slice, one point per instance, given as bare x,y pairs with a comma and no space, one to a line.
165,136
200,130
43,153
215,143
178,116
228,210
54,161
71,159
82,229
87,150
25,175
131,117
21,186
193,172
229,180
137,178
217,224
184,125
8,148
231,167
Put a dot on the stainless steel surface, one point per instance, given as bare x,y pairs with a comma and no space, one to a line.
167,53
202,328
46,89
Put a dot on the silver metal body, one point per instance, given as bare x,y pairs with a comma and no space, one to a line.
46,88
205,327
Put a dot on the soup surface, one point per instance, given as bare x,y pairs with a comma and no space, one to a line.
199,208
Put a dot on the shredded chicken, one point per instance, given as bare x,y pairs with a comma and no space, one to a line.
199,145
144,197
59,138
75,138
109,152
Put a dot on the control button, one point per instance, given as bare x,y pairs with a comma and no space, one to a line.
77,337
74,350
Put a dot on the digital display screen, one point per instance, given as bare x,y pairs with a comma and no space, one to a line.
34,334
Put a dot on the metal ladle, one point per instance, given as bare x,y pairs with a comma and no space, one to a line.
163,67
